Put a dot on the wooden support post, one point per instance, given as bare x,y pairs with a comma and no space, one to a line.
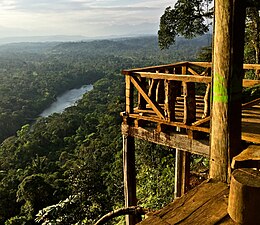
227,86
129,94
129,177
178,172
182,173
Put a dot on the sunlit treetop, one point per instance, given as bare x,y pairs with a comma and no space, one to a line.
187,18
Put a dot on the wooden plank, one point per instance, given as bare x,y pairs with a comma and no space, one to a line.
193,72
251,66
205,204
211,212
251,103
174,124
201,64
250,83
154,68
251,153
195,202
157,109
206,65
153,220
173,140
177,77
202,121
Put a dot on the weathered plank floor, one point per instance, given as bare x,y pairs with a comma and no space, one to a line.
251,124
205,204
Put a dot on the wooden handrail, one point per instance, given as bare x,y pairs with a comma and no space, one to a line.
176,77
174,65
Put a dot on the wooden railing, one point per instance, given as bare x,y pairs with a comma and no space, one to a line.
169,94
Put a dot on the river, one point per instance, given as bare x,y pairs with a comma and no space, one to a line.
67,99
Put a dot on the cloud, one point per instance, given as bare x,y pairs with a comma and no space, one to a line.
87,17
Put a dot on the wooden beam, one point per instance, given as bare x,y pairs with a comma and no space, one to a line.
178,174
155,106
174,124
154,68
172,140
202,121
251,103
193,72
250,83
206,72
206,65
177,77
129,94
201,64
251,66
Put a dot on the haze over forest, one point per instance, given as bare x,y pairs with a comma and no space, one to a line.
86,18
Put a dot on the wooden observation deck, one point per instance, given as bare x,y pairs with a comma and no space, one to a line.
173,105
170,105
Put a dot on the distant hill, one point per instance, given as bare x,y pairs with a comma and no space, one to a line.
55,38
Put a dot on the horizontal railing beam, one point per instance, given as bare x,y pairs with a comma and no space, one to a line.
176,77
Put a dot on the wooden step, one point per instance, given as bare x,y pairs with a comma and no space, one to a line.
248,158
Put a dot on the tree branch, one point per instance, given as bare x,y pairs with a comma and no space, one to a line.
132,210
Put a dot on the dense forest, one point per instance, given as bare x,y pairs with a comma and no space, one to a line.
67,168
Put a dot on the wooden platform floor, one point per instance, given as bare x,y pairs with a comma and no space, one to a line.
204,205
251,124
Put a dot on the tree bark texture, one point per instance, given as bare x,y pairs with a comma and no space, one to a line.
227,86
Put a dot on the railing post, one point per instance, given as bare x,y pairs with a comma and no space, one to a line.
160,94
141,100
129,94
170,99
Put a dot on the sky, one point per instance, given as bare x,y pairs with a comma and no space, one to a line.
91,18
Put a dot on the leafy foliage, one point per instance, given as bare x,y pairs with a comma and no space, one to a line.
67,168
187,18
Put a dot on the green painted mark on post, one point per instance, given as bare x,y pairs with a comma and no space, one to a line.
219,90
